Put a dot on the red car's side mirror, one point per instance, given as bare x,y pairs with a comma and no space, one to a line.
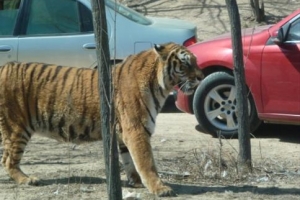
279,39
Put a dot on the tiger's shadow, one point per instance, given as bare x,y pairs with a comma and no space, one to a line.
79,180
74,180
180,189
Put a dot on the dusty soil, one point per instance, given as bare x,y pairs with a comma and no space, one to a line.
195,164
187,160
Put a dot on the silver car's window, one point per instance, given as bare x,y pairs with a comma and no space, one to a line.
128,13
8,15
86,18
53,17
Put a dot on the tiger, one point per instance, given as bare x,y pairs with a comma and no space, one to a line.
63,103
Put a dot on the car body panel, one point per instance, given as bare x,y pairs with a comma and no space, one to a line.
58,48
8,49
281,79
272,70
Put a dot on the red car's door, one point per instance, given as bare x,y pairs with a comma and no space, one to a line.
281,74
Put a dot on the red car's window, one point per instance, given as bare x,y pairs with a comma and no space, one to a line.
294,32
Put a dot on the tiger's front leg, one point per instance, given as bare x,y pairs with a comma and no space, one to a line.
138,144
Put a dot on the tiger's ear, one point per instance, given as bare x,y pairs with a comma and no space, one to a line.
160,50
158,47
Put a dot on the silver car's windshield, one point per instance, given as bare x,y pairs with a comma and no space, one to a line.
128,13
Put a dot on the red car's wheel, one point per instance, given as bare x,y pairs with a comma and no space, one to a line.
215,106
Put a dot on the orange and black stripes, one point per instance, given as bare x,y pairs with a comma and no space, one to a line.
45,97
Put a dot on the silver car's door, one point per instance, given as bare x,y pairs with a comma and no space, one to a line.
8,42
58,32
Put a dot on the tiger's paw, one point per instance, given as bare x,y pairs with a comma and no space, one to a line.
134,180
165,191
32,181
135,183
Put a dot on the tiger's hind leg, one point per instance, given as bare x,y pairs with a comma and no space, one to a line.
133,177
14,145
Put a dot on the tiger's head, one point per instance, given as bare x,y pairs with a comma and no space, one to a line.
180,68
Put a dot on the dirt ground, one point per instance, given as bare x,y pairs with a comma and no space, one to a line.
196,165
186,159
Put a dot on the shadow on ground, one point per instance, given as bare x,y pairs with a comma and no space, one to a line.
181,189
194,190
285,133
73,180
169,106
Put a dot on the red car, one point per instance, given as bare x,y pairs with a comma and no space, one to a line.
272,70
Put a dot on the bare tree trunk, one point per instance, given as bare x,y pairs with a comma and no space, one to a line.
258,9
244,160
106,102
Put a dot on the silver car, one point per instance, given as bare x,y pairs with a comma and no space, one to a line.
61,31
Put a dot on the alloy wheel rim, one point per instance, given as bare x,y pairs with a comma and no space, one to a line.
220,107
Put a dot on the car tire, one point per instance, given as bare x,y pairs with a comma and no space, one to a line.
215,109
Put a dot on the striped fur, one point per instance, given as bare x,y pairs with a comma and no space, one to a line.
63,103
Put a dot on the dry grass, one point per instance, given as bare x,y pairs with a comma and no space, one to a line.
218,165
